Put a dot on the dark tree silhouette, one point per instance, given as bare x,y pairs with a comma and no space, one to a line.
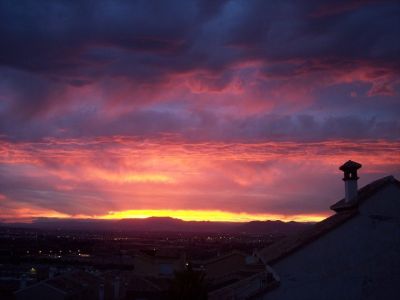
188,285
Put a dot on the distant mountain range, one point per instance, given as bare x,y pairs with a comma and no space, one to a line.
163,224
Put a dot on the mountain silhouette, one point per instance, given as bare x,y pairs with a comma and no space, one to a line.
163,224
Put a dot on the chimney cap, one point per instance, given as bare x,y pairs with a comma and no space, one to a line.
350,166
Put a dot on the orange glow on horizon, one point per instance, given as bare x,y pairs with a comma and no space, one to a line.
209,215
203,181
29,215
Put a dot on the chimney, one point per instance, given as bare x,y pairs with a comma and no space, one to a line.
350,179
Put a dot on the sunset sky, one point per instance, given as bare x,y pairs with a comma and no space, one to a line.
200,110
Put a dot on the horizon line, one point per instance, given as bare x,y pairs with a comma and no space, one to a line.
183,215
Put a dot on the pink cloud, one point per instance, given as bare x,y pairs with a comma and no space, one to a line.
94,176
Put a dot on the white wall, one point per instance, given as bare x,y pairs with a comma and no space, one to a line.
358,260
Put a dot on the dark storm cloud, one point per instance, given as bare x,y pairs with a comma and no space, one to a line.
53,36
62,36
51,47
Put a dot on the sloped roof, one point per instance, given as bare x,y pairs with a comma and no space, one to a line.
364,193
72,282
292,243
69,283
139,283
221,257
345,211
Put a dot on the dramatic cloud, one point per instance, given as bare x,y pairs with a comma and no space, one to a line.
196,89
97,176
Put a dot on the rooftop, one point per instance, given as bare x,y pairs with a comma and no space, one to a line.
364,193
291,243
344,212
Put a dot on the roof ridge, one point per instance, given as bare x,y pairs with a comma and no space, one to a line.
365,192
293,242
217,258
290,244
